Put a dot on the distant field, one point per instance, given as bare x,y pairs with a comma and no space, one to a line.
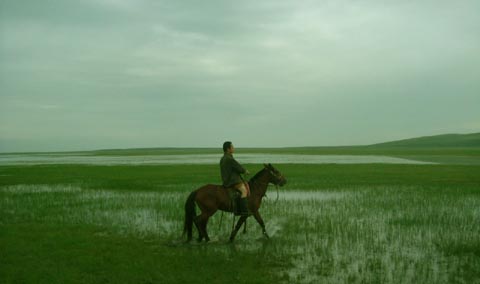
333,223
199,159
443,155
347,150
447,155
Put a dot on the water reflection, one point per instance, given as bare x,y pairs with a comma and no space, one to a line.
36,159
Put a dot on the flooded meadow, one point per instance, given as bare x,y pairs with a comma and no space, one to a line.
357,234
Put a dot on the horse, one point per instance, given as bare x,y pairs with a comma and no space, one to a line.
210,198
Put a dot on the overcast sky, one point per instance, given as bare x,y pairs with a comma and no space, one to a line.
93,74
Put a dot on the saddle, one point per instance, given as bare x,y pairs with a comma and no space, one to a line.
234,196
232,192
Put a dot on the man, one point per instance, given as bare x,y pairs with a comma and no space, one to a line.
231,170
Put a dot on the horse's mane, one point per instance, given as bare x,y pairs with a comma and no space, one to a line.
256,176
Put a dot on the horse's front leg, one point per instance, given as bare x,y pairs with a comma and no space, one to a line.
261,223
237,227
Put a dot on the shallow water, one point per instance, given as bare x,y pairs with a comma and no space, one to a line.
300,195
354,235
131,213
37,159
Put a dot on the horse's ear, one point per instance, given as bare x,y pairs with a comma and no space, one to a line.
270,165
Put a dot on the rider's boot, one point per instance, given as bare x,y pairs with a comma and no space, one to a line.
243,207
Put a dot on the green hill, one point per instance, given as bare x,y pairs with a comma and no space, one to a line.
446,144
445,140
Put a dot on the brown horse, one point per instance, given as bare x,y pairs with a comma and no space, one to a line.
211,198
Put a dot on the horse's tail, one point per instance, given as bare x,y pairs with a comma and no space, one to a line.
189,215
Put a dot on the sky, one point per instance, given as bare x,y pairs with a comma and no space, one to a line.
98,74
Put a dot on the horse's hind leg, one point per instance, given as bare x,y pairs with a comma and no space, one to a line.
203,225
197,223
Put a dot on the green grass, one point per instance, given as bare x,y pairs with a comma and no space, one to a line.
332,224
444,140
82,254
165,177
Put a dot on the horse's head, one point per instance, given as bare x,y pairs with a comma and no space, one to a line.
275,176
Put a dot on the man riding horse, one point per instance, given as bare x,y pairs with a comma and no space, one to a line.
211,197
231,172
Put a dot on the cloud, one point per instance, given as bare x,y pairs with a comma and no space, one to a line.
308,68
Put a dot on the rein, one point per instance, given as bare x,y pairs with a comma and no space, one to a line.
276,187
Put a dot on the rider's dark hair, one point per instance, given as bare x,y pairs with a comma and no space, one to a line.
226,146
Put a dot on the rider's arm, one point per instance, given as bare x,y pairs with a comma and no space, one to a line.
237,167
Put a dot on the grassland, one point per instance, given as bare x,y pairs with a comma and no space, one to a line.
367,223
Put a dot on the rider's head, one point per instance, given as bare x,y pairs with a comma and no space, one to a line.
228,147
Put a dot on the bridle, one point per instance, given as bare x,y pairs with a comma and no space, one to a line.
278,180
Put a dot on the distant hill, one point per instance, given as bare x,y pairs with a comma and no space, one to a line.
445,140
451,144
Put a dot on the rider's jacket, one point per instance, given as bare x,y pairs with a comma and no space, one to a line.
230,170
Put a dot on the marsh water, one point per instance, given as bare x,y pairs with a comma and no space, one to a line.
328,236
194,159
